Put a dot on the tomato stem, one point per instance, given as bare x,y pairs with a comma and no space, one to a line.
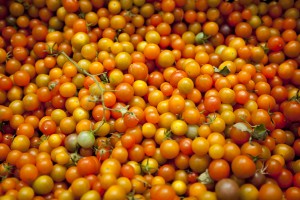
263,169
75,157
123,110
146,168
8,55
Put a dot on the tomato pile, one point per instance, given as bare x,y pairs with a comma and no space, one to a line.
149,99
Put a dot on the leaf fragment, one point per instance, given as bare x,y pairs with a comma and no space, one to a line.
242,127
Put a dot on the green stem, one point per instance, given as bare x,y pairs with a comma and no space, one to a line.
90,75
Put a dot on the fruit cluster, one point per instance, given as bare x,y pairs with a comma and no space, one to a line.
149,99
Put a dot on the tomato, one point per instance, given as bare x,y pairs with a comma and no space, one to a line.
143,98
291,110
243,167
292,49
227,189
115,192
292,193
86,139
169,149
199,163
88,165
216,124
6,113
269,189
165,59
136,153
219,169
80,186
200,146
149,165
239,136
130,120
28,173
248,191
124,92
162,191
179,127
6,83
274,167
285,179
180,187
285,151
70,5
185,85
212,103
25,193
21,143
43,184
110,165
48,127
275,43
4,149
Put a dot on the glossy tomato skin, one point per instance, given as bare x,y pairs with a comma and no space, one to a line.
291,111
275,43
88,165
149,99
243,167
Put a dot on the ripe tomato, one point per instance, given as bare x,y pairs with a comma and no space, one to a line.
270,190
243,167
88,165
116,192
28,173
275,43
291,111
169,149
71,5
212,103
219,169
141,99
110,165
80,186
239,136
162,192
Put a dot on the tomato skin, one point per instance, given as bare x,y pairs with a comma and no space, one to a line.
274,168
88,165
291,111
28,173
130,120
239,137
43,185
70,5
116,192
212,103
5,83
110,165
169,149
243,167
219,169
270,190
150,107
80,186
4,149
275,43
162,192
285,179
